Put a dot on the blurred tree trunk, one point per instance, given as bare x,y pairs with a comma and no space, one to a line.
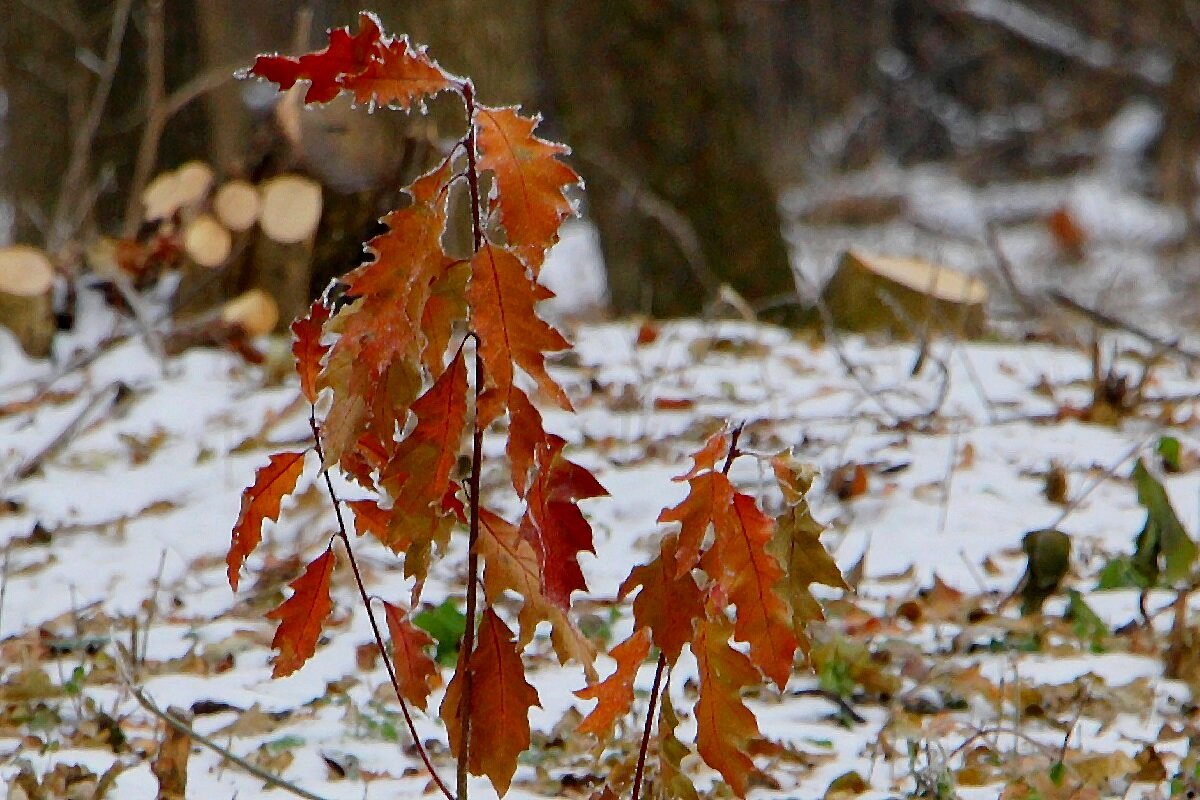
42,89
649,97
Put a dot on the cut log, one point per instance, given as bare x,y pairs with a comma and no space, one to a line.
291,208
254,312
236,204
207,241
283,253
903,296
181,188
26,297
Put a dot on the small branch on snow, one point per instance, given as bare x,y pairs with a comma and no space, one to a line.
122,662
1106,320
105,396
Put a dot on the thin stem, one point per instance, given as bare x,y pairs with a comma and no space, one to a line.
641,762
468,93
733,449
662,657
366,601
468,640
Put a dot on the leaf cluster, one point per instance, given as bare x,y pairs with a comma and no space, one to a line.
404,378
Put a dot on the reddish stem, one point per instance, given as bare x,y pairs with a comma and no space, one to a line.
366,601
468,640
662,658
654,691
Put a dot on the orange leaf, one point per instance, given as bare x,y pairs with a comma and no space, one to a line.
553,522
417,475
671,751
797,546
308,350
446,305
499,709
370,518
302,616
725,728
399,75
511,564
261,501
669,602
530,180
747,573
615,693
709,495
705,459
374,367
525,432
347,55
502,297
416,672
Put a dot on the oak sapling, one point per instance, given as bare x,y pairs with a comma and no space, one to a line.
396,388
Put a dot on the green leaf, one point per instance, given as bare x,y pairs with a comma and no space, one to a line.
1087,625
1049,554
1171,453
1121,573
1163,533
446,624
1058,771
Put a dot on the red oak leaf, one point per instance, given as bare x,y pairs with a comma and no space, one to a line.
615,693
709,495
307,348
416,672
500,703
705,459
347,55
302,616
747,573
553,522
417,474
374,367
261,501
510,564
530,179
725,728
669,602
399,75
502,297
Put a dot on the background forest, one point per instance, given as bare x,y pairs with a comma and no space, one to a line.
835,436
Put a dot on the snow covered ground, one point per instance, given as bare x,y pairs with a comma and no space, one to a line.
120,535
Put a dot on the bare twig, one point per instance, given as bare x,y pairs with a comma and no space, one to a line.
141,317
673,221
147,153
844,707
839,347
1108,473
640,770
145,702
475,482
77,165
103,397
1106,320
1031,307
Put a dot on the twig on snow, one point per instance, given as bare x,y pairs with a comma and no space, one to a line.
1106,320
122,662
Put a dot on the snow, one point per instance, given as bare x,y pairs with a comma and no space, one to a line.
112,516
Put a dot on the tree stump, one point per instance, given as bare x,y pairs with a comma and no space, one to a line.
903,296
26,297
